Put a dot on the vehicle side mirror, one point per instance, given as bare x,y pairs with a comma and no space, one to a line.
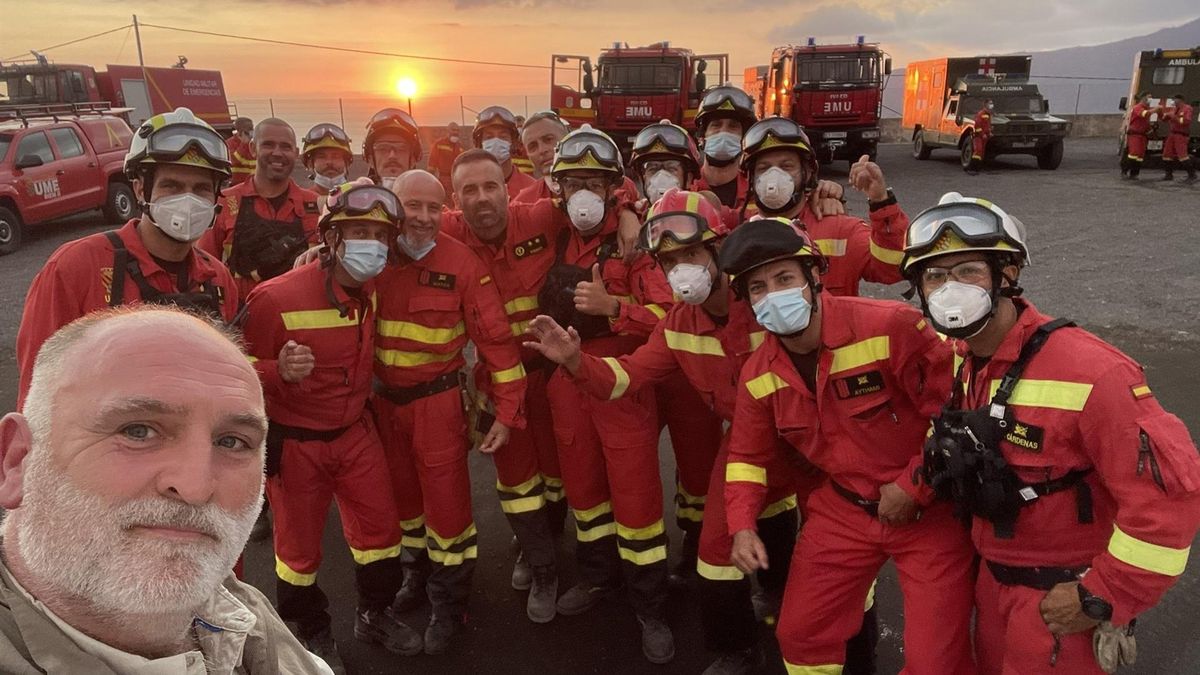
589,84
29,161
1124,103
701,79
887,66
958,119
1045,106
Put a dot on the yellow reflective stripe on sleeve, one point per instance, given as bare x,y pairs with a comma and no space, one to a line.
392,357
1144,555
860,354
830,669
788,503
656,310
718,572
509,375
831,247
252,359
292,576
745,473
703,345
756,339
524,303
622,382
886,255
417,333
765,385
1055,394
1142,391
317,318
640,533
647,557
365,557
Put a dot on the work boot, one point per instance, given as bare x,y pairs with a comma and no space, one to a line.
658,645
262,526
1169,176
522,576
541,605
440,631
412,592
381,627
683,575
323,646
742,662
581,597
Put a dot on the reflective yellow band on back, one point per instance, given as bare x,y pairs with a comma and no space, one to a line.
317,318
859,354
830,669
718,572
887,255
588,515
406,330
647,557
656,310
393,357
831,247
521,304
507,375
292,576
1048,394
1144,555
622,382
788,503
764,385
704,345
368,556
640,533
745,473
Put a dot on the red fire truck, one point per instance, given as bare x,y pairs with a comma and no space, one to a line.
834,91
632,87
146,91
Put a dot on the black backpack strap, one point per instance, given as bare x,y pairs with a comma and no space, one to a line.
560,246
608,249
1031,347
116,292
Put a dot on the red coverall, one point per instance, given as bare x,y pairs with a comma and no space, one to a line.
327,439
427,310
858,251
241,157
1180,121
609,449
528,477
1081,405
442,157
733,214
297,216
881,374
1135,135
981,135
517,181
77,280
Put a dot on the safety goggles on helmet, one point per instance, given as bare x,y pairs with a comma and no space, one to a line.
392,117
671,137
495,115
173,141
784,131
682,227
575,149
326,130
717,97
960,225
361,200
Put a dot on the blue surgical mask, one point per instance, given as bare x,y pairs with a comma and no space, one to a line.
498,148
363,259
723,146
784,312
415,251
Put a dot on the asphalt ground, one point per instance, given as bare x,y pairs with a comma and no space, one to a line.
1117,257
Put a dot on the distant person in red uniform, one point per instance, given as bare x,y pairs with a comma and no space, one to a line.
496,131
1175,148
1138,126
241,150
980,136
445,151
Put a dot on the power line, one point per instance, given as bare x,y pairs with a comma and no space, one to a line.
64,44
346,49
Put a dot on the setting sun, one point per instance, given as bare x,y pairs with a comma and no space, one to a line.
407,87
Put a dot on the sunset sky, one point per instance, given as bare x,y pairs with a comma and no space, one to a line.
306,82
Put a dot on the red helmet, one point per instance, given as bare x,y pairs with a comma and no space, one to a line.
664,140
680,219
495,116
393,119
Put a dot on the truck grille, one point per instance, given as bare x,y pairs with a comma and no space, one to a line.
1021,128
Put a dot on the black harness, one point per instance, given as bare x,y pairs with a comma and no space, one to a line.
206,300
263,249
557,295
963,461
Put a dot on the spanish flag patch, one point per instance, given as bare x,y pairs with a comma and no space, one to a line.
1141,391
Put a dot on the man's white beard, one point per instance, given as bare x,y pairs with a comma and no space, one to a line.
83,547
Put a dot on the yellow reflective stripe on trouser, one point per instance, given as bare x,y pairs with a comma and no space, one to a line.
1055,394
522,304
317,318
414,532
765,385
406,330
745,473
455,550
524,498
1144,555
394,357
622,382
859,354
788,503
704,345
292,576
831,247
554,488
886,255
830,669
688,506
594,523
718,572
509,374
641,533
642,545
368,556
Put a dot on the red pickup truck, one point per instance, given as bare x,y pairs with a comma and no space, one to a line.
56,165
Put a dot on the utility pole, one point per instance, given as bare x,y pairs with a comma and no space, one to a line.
137,34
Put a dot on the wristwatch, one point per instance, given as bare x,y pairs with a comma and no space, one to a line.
1094,606
886,201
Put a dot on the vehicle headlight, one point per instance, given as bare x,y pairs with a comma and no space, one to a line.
871,133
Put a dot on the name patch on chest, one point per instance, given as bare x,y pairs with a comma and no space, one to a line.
440,280
1025,436
859,385
528,248
310,207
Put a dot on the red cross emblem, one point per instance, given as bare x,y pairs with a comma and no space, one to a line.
987,66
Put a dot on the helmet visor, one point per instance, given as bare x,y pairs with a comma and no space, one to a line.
394,116
574,147
174,140
495,115
669,135
781,128
363,199
684,227
326,130
719,95
974,223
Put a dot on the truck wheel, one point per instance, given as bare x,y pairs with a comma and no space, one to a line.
919,150
10,231
120,206
1050,156
966,148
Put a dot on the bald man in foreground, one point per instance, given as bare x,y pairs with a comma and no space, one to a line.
130,482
